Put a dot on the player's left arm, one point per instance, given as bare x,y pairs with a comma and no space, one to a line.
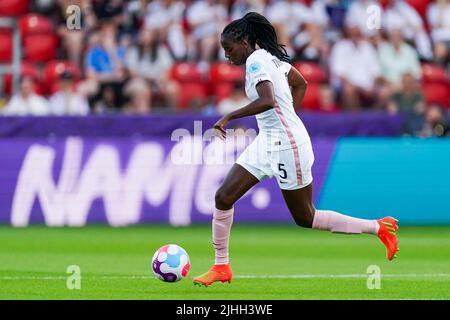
265,101
298,86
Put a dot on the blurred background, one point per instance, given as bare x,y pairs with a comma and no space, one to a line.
164,56
91,91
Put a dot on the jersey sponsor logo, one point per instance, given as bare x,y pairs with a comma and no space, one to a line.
255,67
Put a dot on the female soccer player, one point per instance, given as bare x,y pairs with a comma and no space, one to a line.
282,147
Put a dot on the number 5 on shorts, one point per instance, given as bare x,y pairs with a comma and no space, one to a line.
281,169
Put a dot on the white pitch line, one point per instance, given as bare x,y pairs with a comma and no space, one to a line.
65,278
295,276
322,276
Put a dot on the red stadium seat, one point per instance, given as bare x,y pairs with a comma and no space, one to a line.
186,72
191,93
223,76
420,6
311,100
437,93
312,72
53,70
13,8
432,73
225,72
35,23
222,90
6,47
40,47
192,84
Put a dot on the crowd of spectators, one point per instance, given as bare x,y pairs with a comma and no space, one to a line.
372,52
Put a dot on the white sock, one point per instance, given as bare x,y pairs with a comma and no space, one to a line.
221,226
339,223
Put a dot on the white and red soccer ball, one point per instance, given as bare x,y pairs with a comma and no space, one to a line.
170,263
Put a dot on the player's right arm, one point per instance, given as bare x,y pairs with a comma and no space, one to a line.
265,101
298,86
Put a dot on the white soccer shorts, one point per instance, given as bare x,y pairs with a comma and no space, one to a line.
291,167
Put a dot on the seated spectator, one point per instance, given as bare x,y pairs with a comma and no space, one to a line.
330,12
313,43
135,15
138,92
164,21
400,15
151,61
73,40
148,55
107,102
438,16
26,102
327,100
409,100
112,10
67,101
236,100
355,70
294,24
319,11
104,60
240,8
398,58
436,125
206,19
358,14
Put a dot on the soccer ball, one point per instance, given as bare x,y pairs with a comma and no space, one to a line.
170,263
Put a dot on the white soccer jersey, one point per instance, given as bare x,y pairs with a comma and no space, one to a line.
279,128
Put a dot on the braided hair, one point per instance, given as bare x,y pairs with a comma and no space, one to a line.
257,30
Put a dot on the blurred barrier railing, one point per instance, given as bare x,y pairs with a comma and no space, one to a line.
13,67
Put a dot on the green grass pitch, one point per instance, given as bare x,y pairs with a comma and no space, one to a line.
269,262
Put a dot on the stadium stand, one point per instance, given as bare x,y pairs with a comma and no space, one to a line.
46,52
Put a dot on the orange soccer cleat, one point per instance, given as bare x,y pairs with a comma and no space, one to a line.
386,233
219,272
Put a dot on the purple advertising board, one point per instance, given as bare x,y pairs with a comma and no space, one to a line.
73,181
123,170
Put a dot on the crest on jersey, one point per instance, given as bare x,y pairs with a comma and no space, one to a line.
255,67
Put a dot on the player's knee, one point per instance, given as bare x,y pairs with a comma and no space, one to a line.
305,219
224,201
